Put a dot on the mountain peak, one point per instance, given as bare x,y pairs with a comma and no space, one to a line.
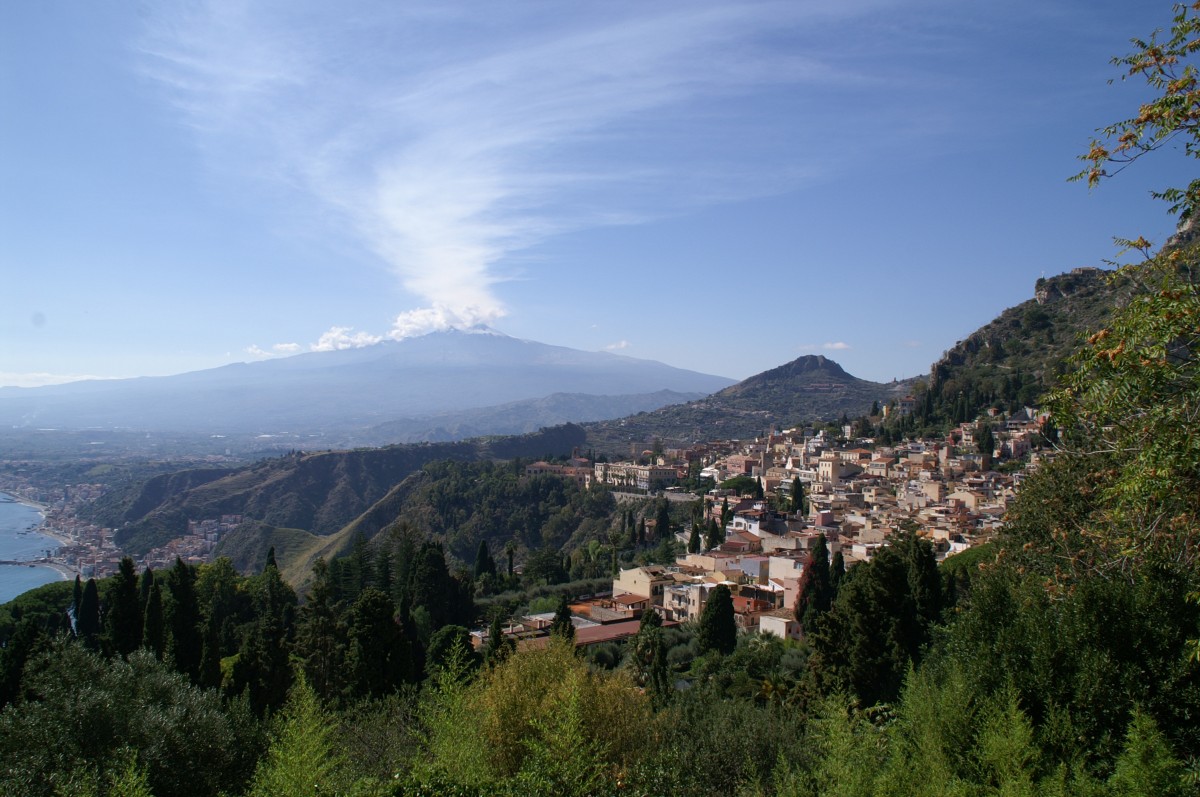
804,365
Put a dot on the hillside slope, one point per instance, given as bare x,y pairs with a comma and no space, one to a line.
317,493
1014,359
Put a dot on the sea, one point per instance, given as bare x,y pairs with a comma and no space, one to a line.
20,541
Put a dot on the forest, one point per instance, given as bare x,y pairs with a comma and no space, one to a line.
1061,659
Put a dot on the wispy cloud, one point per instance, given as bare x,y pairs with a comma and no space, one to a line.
277,350
618,346
835,345
42,379
447,139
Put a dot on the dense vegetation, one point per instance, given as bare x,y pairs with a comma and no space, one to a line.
318,493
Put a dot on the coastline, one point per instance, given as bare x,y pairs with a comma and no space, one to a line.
67,573
64,571
42,528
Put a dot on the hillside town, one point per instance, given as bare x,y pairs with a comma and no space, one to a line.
850,492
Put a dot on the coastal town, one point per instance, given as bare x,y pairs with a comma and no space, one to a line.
852,494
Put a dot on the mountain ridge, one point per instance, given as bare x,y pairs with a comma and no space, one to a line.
348,389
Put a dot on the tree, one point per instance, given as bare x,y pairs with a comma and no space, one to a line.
154,631
302,758
986,442
432,588
96,710
561,625
837,571
693,545
263,666
144,585
798,497
123,619
87,620
510,549
375,664
718,629
319,636
816,589
715,535
181,613
880,623
498,645
452,641
662,520
649,659
1170,116
483,561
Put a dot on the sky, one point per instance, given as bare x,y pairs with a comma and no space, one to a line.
721,186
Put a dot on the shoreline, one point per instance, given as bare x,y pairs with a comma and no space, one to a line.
42,528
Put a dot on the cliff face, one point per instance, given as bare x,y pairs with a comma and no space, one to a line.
1015,358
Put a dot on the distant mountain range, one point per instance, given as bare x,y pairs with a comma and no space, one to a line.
432,385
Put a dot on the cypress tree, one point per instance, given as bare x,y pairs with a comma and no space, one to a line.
483,561
87,620
694,539
799,498
153,625
210,654
662,521
498,644
181,612
76,596
123,619
561,625
837,571
718,628
816,591
715,536
144,584
510,548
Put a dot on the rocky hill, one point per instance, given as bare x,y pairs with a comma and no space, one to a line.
1014,359
808,389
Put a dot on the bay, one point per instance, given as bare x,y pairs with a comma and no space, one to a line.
19,541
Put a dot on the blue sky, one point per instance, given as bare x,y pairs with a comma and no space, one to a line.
720,186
